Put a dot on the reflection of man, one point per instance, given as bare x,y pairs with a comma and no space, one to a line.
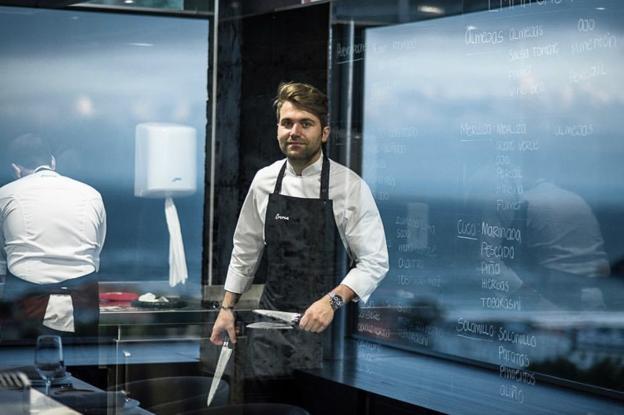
52,232
294,212
565,244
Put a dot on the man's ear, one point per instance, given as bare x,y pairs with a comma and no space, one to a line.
325,134
17,171
52,162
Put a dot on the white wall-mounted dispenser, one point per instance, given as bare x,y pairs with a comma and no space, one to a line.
165,167
165,160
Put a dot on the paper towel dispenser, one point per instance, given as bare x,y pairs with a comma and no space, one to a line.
165,160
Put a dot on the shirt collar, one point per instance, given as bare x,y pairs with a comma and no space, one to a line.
45,170
313,169
42,167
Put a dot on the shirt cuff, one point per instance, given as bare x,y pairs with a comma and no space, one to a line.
362,283
236,282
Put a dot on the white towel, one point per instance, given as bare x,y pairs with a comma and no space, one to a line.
59,314
178,272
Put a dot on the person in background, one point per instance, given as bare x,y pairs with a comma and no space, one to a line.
294,214
565,247
52,229
564,254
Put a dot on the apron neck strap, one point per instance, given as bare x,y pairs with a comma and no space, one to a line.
324,179
280,177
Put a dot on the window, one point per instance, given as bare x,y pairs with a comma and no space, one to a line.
84,81
492,143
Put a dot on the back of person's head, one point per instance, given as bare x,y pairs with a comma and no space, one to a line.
29,151
304,96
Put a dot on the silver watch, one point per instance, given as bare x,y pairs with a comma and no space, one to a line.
335,301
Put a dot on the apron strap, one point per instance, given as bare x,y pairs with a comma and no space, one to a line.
324,179
280,177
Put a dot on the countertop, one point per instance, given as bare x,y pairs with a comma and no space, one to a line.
452,387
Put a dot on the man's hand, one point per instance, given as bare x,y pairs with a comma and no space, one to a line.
318,316
224,323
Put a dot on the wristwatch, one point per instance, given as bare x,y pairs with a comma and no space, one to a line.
335,301
227,307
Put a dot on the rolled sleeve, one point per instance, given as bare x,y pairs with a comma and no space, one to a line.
366,241
236,282
248,246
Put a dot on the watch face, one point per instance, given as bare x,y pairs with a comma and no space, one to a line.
336,301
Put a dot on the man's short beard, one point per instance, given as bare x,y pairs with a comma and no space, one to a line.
305,156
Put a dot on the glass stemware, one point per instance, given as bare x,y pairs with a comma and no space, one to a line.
49,358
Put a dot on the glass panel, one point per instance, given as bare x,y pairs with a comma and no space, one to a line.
84,81
492,143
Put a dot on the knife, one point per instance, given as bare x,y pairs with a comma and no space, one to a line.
288,321
224,356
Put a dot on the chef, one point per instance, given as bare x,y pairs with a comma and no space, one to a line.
52,230
296,210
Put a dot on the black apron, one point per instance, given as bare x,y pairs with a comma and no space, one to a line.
301,239
28,303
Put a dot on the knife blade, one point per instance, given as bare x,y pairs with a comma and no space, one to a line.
224,356
270,325
291,318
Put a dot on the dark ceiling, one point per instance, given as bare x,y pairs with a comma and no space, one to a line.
38,3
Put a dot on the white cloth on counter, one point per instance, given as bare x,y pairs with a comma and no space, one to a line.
59,314
355,212
52,230
178,272
152,298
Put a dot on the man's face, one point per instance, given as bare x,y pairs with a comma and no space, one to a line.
300,134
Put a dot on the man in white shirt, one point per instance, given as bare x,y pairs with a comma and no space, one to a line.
564,246
52,230
295,211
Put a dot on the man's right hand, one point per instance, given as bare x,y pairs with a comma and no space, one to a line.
224,323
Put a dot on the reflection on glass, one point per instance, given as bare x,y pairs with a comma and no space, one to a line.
492,145
85,80
49,359
565,248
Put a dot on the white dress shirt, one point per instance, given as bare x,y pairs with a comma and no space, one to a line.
52,230
355,212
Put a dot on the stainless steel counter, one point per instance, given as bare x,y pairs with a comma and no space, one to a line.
193,320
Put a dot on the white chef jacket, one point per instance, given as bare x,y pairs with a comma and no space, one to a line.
355,212
52,229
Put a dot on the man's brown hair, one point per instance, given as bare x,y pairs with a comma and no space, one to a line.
303,96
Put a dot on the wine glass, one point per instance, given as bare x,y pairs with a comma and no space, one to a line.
49,358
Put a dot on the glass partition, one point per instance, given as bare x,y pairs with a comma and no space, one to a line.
84,81
491,138
119,96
